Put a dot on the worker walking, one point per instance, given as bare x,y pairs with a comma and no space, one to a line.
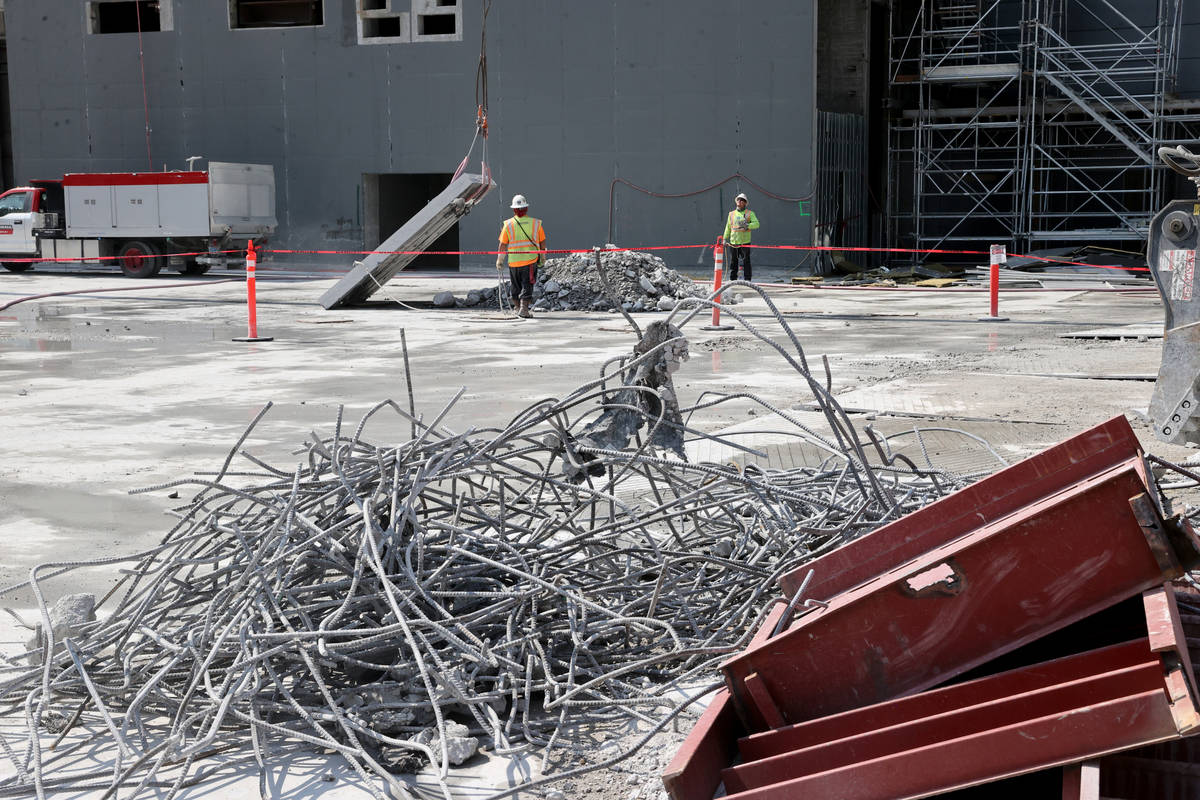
522,237
738,225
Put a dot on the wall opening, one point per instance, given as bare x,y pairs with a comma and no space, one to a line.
390,199
381,27
275,13
122,16
437,25
382,21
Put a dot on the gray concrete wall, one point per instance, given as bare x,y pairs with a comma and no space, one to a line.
670,95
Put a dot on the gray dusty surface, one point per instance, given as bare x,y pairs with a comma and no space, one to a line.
106,393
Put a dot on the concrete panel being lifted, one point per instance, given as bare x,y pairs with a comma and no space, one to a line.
395,253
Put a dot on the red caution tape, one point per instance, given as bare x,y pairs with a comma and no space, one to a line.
652,248
649,248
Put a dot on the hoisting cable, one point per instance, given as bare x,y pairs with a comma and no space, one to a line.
481,103
481,128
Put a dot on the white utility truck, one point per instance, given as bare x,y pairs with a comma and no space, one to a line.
142,219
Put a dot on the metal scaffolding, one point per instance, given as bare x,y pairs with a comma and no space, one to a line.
1030,122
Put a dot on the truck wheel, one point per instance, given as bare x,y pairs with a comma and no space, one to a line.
139,259
17,266
191,267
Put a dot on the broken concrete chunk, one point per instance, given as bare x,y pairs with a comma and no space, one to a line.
551,286
460,745
647,285
473,298
444,299
666,303
68,616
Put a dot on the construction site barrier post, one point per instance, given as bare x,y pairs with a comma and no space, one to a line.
997,255
251,300
718,271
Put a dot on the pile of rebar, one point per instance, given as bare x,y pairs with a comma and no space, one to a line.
515,580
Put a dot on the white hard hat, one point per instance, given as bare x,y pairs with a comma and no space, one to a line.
519,201
742,197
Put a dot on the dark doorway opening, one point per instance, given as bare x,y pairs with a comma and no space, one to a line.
390,199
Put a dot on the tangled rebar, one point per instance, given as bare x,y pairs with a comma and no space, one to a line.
387,602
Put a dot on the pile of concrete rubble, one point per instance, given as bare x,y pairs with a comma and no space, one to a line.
636,282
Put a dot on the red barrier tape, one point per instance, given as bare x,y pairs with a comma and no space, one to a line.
652,248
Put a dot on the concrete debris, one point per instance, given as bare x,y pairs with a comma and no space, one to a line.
368,276
68,617
638,281
647,399
460,744
444,300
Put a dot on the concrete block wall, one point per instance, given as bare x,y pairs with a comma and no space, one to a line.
672,95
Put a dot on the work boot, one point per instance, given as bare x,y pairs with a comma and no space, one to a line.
524,311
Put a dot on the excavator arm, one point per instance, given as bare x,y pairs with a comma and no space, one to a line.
1171,256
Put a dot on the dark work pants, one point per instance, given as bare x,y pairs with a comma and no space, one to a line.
523,278
732,255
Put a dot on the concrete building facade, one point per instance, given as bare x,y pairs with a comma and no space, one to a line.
366,107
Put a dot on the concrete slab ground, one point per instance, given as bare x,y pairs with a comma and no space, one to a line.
107,392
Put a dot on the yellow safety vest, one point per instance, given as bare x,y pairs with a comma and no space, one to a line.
524,235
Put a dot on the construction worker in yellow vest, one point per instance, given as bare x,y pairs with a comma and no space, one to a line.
522,236
738,225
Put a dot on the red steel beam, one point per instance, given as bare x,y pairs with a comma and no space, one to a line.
999,753
1059,713
1015,487
1001,585
975,722
928,704
695,771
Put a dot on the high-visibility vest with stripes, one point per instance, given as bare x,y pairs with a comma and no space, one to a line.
524,233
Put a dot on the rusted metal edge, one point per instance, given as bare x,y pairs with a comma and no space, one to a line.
939,523
1056,740
765,744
